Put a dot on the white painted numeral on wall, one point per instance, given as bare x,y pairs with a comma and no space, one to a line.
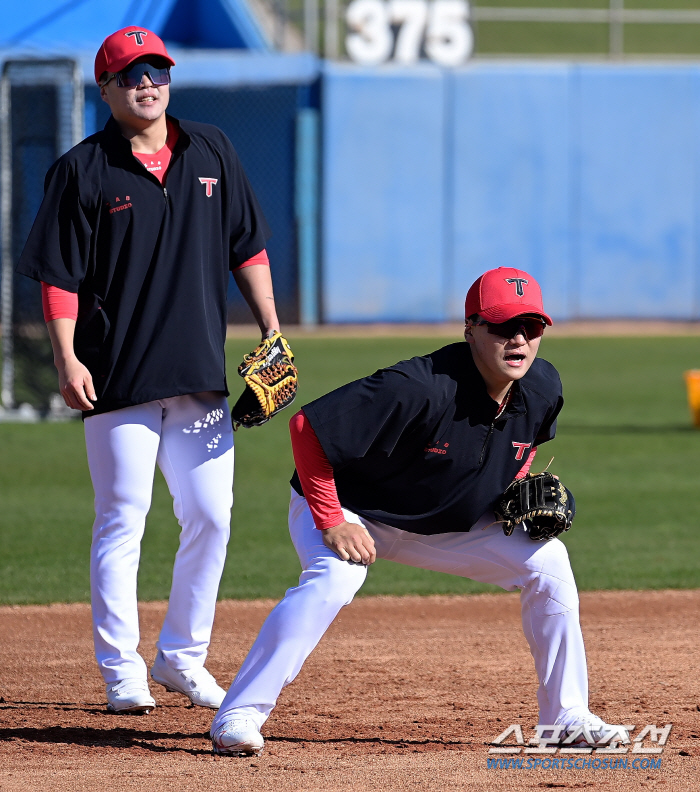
370,39
410,16
440,28
449,40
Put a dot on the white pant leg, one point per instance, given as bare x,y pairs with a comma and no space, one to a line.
542,571
196,458
549,599
191,439
292,630
121,447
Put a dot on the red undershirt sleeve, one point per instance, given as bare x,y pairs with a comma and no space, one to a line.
525,469
315,474
258,258
58,303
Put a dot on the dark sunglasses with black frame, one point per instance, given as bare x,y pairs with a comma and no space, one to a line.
132,76
530,326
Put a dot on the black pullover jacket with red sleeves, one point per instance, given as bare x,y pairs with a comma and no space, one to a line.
422,446
150,262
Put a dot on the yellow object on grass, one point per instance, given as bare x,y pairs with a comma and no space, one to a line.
692,383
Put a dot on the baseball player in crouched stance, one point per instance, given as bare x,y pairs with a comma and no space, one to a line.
406,465
139,228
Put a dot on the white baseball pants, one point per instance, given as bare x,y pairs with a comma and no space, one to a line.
191,440
540,570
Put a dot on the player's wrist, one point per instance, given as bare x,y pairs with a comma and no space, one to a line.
330,524
62,359
268,321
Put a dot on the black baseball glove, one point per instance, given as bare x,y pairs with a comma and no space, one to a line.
541,502
270,382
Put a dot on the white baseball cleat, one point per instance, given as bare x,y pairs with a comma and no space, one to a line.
130,697
237,737
197,684
592,732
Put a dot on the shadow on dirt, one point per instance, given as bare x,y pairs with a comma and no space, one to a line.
106,738
148,740
128,733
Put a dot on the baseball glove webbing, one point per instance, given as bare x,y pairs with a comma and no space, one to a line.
271,382
540,502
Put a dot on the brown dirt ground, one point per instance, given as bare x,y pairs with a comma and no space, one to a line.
402,694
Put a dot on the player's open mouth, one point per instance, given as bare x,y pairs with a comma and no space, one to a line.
515,358
147,99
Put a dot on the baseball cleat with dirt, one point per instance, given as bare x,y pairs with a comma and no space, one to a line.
237,737
592,732
197,684
130,697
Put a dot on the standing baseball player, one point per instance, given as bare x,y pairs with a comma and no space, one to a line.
407,465
139,228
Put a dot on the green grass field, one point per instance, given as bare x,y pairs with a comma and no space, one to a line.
543,38
624,446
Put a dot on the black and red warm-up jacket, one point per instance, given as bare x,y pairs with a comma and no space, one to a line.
423,447
149,262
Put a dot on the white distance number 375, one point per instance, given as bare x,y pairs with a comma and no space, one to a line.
439,29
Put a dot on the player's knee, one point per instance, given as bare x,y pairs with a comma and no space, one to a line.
334,582
219,522
552,585
552,558
120,518
209,520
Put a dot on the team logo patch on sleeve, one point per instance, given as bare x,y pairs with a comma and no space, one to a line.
209,184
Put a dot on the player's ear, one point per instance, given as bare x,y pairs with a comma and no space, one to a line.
468,337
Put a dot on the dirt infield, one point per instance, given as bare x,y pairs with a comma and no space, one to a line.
402,694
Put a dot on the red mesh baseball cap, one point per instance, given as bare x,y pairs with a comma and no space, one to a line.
503,293
119,49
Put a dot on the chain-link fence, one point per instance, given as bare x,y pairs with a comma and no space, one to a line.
41,117
260,120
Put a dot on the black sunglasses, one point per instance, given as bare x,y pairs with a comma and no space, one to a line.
530,327
132,76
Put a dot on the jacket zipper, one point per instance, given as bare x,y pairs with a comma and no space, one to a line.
486,442
165,194
499,414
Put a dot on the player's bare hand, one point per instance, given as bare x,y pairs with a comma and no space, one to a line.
75,383
351,542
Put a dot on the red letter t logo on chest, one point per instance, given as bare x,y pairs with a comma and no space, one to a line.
209,184
521,449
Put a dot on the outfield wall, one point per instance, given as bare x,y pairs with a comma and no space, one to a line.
586,175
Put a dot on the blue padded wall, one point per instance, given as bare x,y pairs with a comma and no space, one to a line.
511,203
383,208
586,175
636,160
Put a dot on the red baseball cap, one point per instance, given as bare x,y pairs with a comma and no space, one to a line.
503,293
126,45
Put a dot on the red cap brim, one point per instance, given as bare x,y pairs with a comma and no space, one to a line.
502,313
122,63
